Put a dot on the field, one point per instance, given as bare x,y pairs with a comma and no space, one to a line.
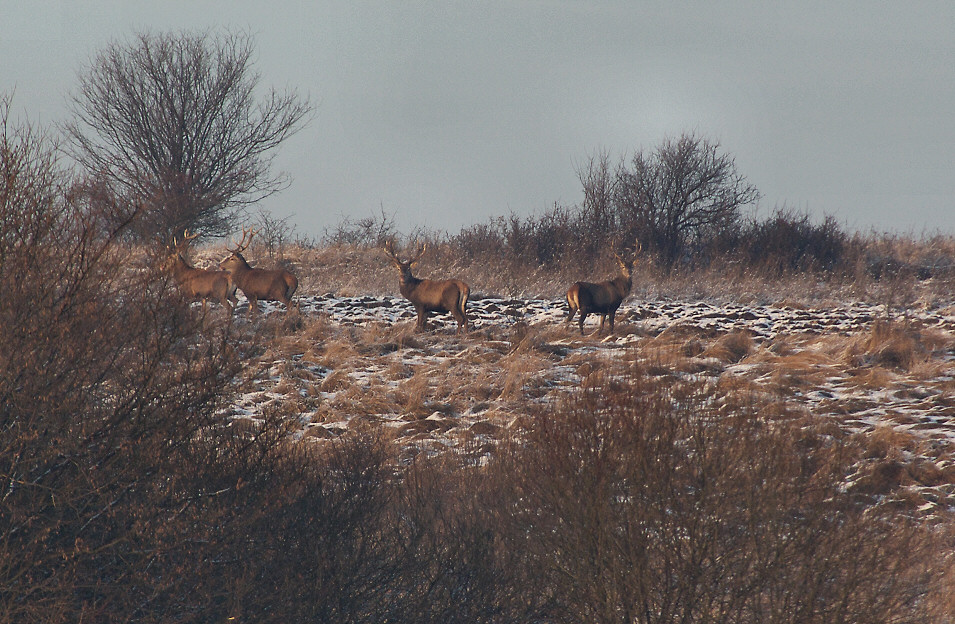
879,374
748,445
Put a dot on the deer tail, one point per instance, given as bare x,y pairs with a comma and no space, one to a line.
463,293
573,300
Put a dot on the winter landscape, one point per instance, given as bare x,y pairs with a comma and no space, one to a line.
663,400
871,370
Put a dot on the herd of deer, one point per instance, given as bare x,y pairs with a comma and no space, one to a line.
426,295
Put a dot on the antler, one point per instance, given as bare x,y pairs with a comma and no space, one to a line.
636,250
179,247
419,251
241,246
389,249
613,250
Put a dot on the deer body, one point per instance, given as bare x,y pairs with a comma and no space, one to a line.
602,298
202,284
428,296
256,284
196,284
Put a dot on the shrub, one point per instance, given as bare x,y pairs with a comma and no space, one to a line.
786,242
645,500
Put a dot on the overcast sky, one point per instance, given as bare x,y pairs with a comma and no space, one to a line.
445,114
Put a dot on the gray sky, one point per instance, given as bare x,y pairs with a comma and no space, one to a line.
448,113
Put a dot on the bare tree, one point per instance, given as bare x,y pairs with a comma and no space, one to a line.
596,217
173,124
676,196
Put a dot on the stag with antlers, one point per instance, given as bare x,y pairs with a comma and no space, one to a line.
449,295
256,284
196,284
605,297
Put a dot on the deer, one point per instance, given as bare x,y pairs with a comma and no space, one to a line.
605,297
256,284
450,295
196,283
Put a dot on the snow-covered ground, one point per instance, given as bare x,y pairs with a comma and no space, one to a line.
362,363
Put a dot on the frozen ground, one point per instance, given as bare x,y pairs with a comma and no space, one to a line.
358,361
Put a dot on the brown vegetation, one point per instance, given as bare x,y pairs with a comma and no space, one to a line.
156,465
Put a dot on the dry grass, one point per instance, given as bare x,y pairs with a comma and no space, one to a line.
731,348
437,390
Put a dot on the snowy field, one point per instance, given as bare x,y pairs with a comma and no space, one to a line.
357,361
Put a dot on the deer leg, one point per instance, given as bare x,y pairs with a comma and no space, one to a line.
611,315
462,319
422,319
603,319
572,311
580,321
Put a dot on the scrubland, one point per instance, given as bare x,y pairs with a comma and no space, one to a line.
750,445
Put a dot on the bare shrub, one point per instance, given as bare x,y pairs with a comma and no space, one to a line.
105,384
646,500
371,231
274,232
787,241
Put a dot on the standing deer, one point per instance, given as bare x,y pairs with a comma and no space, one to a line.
430,295
196,283
603,298
255,284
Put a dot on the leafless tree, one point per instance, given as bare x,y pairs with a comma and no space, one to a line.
275,232
173,123
674,197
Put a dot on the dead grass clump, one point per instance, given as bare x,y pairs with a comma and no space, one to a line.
413,394
888,442
336,352
737,386
787,382
692,348
879,477
336,381
782,345
927,473
521,368
871,378
731,348
889,344
934,340
699,366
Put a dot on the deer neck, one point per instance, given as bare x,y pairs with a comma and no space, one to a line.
407,283
179,266
241,265
623,282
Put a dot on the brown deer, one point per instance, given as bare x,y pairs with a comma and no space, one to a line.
255,284
197,284
603,298
430,295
